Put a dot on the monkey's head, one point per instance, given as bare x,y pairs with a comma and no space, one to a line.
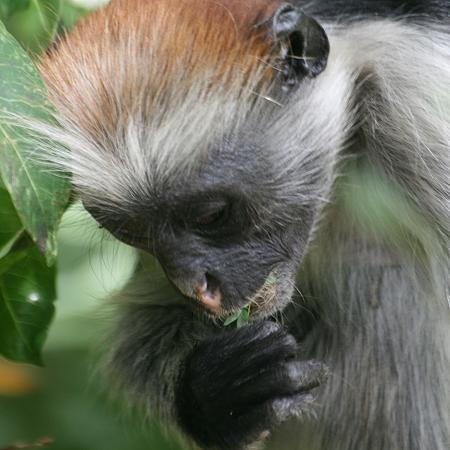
206,133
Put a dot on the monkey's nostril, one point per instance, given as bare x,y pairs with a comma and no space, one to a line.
208,292
212,283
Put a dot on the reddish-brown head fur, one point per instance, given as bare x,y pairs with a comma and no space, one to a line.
128,57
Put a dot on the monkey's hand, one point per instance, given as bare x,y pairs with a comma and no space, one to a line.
239,385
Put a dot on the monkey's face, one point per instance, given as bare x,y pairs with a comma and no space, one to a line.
215,159
224,186
232,229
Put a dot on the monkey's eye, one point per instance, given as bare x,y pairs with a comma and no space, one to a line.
210,219
209,216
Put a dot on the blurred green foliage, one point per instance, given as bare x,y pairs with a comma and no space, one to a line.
32,203
35,23
8,7
64,401
68,400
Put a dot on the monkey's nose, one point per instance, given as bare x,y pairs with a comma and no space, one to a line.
207,292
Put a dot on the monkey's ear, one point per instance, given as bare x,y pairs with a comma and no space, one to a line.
302,45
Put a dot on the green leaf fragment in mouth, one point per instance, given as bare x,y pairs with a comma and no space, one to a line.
240,318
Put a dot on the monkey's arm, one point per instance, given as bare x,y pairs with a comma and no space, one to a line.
153,336
224,389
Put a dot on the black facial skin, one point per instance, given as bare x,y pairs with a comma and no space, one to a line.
217,223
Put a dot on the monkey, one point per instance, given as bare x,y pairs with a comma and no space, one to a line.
287,157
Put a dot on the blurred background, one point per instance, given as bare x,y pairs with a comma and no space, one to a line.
64,405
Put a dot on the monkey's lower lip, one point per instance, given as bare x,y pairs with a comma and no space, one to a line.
210,304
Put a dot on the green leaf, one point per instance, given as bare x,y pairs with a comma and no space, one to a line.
35,25
10,224
26,289
26,302
70,14
39,197
232,319
245,314
244,317
241,318
8,7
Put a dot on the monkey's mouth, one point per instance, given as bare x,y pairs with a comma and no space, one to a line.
268,301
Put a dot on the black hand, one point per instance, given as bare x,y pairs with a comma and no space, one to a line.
241,383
